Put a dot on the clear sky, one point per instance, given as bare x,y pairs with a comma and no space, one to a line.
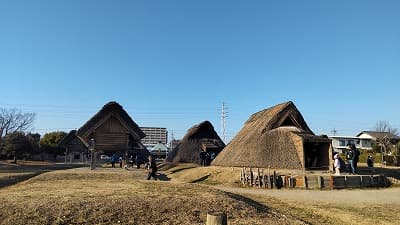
173,63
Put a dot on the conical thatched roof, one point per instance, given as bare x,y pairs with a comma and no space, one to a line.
188,149
270,138
111,109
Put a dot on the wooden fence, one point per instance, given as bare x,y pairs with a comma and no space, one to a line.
267,178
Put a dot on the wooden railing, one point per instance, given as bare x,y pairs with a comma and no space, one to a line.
267,178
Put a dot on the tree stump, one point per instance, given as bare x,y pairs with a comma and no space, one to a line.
216,218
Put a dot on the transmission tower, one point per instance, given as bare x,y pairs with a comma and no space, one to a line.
223,122
334,132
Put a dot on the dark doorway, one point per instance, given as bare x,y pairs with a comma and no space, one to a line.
316,155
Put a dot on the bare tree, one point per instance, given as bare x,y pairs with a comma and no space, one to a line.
14,120
384,136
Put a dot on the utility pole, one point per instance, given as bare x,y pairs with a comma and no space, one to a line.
170,143
334,131
223,122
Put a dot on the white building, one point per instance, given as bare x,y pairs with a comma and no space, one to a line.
340,143
154,135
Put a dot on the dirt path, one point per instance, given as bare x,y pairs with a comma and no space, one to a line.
350,197
357,206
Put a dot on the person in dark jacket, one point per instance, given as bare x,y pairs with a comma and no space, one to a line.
370,161
356,156
203,158
152,168
137,160
350,157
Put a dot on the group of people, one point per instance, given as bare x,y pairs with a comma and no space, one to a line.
352,157
132,160
206,157
151,165
114,159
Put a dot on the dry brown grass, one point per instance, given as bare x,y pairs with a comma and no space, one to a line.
115,196
312,206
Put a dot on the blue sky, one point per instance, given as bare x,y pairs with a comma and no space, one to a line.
173,63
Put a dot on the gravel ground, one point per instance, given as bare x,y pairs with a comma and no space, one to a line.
350,197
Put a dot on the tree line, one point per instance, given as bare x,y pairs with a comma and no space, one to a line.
17,142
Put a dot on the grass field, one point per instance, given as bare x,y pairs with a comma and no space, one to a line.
184,196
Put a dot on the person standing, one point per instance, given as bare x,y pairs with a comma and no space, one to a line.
203,158
152,168
137,161
113,158
350,157
356,156
336,164
120,161
370,161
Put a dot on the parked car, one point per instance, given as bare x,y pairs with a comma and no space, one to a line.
104,157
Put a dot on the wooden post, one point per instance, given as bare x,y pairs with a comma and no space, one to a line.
216,218
284,181
264,180
274,180
306,182
331,182
251,177
320,180
241,175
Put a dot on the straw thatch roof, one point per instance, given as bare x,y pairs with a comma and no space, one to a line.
70,137
189,148
270,138
111,109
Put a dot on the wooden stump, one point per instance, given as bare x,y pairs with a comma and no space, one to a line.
216,218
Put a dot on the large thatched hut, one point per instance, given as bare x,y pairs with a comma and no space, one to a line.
113,131
277,137
199,137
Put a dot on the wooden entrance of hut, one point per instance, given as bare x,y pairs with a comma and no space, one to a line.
316,155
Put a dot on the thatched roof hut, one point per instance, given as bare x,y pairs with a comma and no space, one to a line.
113,130
277,137
76,148
73,142
198,137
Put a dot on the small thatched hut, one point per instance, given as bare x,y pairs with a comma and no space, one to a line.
113,131
76,148
277,137
199,137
